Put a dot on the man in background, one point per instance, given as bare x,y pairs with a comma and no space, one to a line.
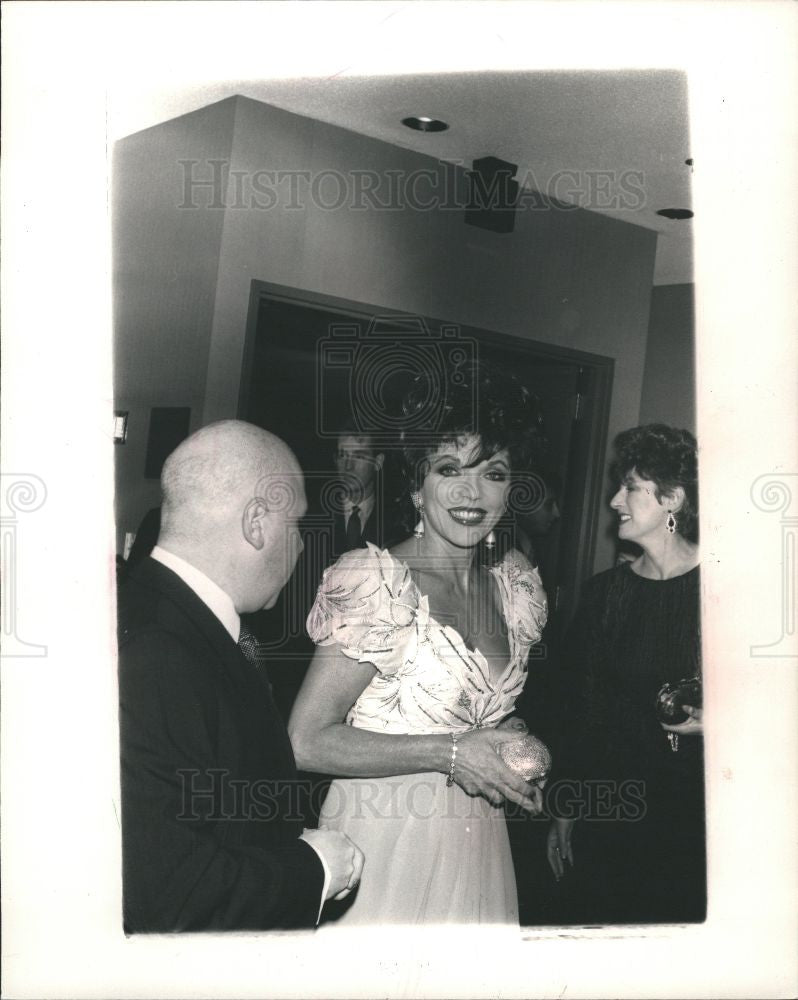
212,838
362,514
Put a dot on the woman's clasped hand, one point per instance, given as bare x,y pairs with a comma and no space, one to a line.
481,771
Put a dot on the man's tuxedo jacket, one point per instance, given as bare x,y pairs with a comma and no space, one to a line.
210,821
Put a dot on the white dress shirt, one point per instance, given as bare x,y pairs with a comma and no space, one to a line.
220,604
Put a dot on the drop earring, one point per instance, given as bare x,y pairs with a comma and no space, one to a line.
490,540
418,531
670,523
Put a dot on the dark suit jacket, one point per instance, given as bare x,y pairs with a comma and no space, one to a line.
382,529
146,537
209,823
370,532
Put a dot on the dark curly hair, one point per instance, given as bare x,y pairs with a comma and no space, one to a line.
666,457
480,399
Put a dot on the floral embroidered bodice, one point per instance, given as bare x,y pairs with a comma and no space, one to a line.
427,679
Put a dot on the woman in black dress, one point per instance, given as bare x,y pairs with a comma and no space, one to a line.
639,855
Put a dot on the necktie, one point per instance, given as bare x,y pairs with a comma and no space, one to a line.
353,530
248,645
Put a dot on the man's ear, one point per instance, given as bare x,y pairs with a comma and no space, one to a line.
253,523
674,499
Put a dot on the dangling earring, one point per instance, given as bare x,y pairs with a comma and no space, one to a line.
490,540
418,531
670,524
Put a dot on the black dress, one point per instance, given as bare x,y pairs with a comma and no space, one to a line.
639,848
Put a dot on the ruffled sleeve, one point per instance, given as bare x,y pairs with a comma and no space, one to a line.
525,604
368,604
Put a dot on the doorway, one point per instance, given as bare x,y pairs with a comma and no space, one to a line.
303,350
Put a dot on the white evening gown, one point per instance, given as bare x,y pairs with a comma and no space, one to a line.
433,853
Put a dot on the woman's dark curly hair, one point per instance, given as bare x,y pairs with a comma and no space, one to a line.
666,457
479,399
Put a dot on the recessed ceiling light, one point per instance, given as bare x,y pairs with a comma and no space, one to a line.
423,124
675,213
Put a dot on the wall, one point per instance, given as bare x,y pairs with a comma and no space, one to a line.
571,278
165,264
668,395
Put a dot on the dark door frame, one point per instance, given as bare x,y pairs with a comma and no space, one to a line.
591,406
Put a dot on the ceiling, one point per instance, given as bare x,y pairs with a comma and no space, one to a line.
614,142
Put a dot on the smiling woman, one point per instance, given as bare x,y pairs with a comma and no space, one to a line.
656,469
421,654
640,855
463,500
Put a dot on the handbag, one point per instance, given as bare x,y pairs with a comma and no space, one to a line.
671,697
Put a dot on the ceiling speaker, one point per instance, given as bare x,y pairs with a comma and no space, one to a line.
492,195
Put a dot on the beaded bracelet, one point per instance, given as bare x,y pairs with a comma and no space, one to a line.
450,777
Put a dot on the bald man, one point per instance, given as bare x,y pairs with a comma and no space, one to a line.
212,838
